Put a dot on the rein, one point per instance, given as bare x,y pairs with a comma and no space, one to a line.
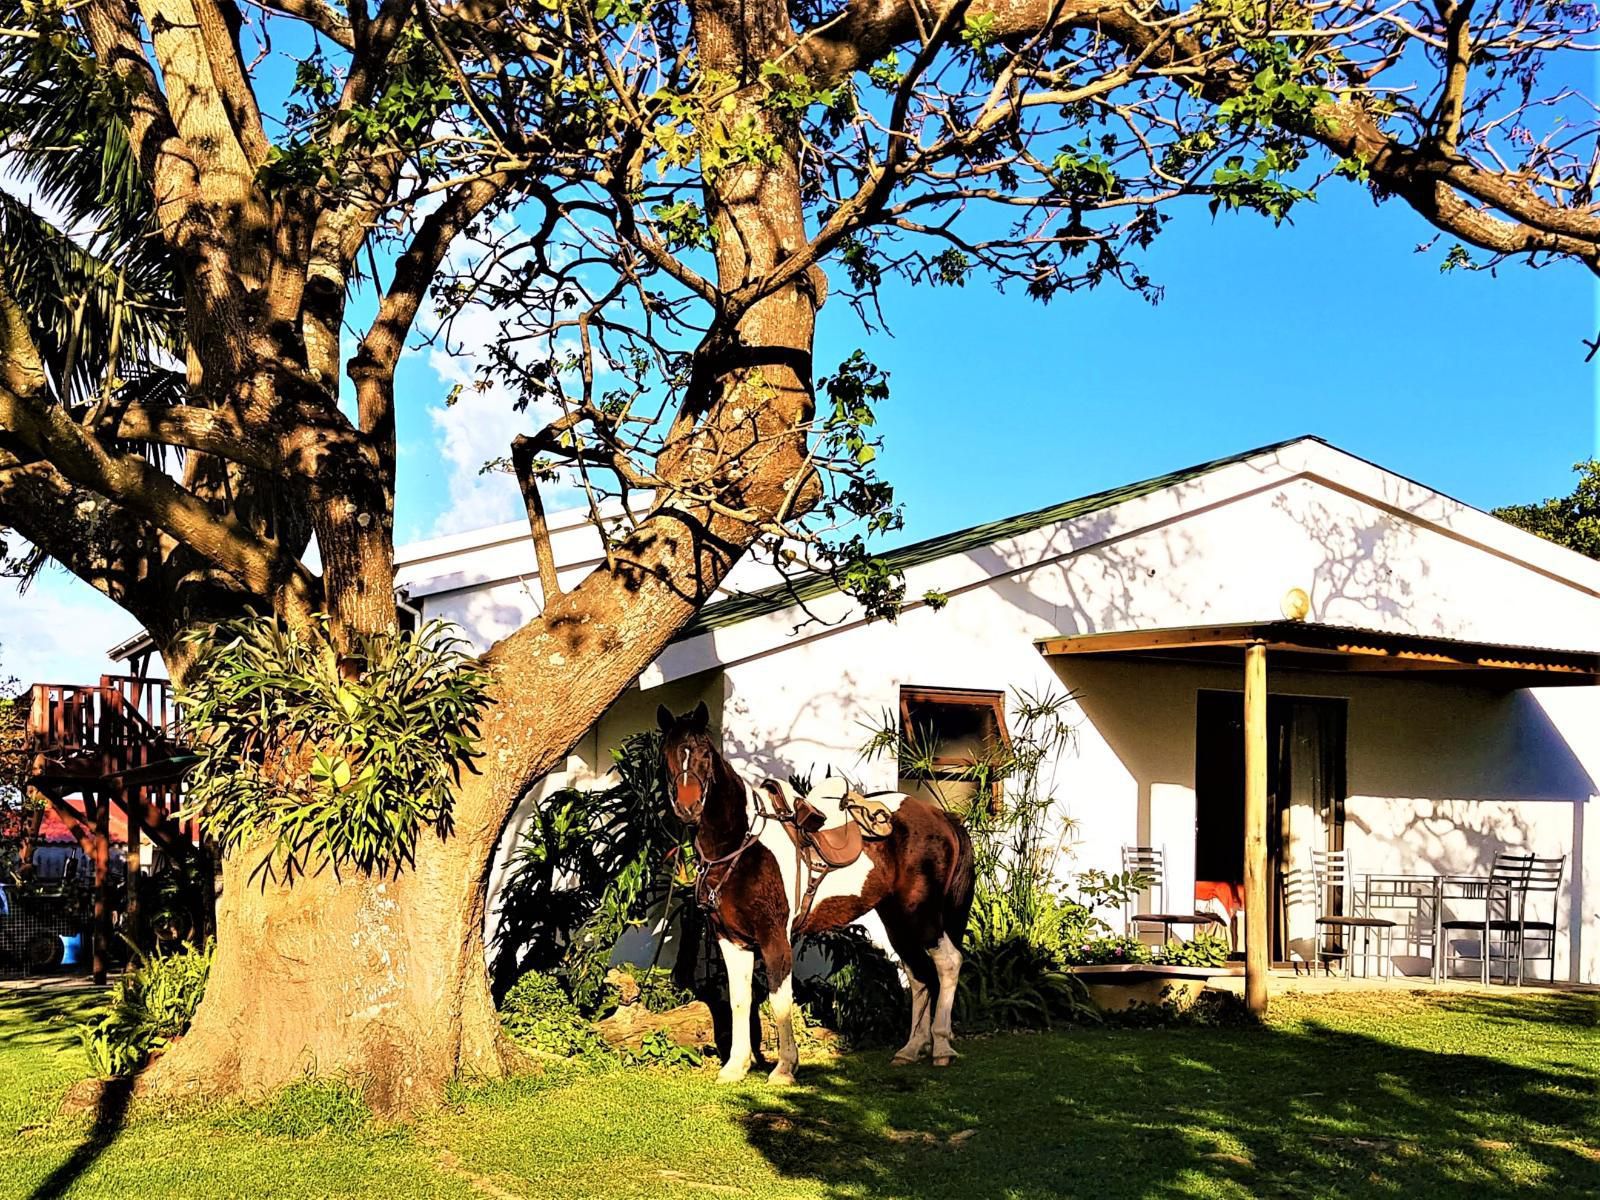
708,893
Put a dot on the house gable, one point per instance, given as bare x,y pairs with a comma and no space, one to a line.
1225,539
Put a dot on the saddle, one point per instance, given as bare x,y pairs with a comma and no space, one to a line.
831,822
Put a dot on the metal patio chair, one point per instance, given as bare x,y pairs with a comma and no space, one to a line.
1150,861
1338,922
1497,892
1521,876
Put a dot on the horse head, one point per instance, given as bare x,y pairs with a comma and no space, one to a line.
691,759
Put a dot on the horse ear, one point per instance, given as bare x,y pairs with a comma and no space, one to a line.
664,718
701,717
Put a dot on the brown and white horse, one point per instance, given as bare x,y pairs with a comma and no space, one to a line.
753,879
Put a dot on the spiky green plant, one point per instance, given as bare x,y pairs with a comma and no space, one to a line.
328,769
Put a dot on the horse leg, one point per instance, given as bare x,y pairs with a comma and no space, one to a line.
741,964
924,978
778,956
921,1029
946,957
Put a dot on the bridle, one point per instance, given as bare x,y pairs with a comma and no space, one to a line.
697,763
712,874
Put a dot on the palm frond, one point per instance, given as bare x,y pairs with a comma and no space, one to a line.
64,130
82,253
85,302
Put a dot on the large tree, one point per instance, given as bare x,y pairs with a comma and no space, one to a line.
1572,521
650,201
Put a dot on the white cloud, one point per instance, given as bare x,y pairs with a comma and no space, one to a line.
59,630
477,429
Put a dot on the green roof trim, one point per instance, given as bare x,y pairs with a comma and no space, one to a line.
722,613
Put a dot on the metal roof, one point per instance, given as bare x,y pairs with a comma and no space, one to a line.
1315,646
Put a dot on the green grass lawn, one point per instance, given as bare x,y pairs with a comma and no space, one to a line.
1392,1095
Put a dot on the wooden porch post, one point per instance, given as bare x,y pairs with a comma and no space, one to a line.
1256,953
102,885
135,867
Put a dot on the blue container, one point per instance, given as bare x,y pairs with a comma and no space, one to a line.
71,949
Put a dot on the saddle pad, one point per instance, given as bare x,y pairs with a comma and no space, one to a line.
828,799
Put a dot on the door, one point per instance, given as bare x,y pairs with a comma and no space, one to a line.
1305,803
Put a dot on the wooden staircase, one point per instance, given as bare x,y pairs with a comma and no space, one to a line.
118,742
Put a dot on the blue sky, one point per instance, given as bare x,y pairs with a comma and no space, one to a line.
1335,325
1472,384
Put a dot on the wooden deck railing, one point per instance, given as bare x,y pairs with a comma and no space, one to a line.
128,722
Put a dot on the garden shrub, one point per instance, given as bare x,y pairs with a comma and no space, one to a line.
1014,983
338,771
657,1049
1204,949
538,1013
1115,949
862,997
652,987
150,1006
591,865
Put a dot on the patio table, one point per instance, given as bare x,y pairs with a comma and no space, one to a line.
1413,891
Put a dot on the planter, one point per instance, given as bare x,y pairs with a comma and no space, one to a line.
1117,987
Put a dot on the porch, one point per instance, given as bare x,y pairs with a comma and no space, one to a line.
1486,681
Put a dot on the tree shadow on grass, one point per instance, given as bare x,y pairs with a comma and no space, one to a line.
46,1021
1296,1111
40,1016
110,1115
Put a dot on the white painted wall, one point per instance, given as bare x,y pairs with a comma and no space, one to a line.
487,580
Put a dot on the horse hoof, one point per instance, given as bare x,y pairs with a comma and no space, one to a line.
903,1060
944,1060
781,1076
733,1074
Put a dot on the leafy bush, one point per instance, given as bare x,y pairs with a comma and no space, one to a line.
659,1050
592,864
1204,949
338,771
150,1005
861,997
1016,984
538,1013
652,987
112,1048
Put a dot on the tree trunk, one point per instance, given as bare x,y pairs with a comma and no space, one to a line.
382,981
376,981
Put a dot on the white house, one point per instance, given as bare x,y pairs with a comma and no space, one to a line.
1430,672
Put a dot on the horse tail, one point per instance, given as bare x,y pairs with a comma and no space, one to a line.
958,885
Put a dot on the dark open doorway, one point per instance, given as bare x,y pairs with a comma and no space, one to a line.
1305,794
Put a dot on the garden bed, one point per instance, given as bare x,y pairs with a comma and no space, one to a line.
1117,987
